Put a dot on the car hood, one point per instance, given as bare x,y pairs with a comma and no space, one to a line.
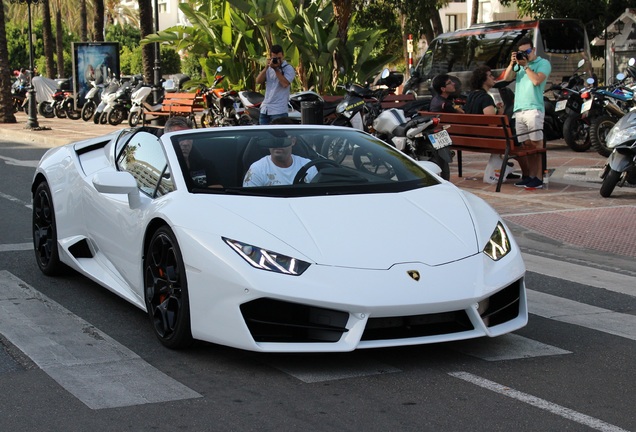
429,225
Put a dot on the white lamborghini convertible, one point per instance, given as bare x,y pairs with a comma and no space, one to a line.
375,251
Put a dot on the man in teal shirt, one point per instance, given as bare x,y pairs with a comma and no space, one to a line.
530,73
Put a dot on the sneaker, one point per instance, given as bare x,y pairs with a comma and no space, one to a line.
535,183
524,181
513,176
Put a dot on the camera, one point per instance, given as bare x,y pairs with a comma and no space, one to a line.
274,60
521,55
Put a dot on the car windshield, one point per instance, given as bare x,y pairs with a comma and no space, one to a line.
316,161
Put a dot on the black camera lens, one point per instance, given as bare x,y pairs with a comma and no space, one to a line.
521,55
274,60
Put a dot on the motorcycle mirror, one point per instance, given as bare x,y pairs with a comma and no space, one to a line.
632,61
385,73
581,63
620,76
219,69
590,81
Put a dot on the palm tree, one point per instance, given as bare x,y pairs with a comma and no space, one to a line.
6,103
147,27
98,20
47,39
83,22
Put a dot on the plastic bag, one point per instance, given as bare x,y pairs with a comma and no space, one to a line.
493,168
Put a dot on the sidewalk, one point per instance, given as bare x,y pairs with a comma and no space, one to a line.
571,211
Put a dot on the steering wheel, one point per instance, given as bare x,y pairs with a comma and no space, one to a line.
302,172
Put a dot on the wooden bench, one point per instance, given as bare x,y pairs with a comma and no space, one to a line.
183,104
484,134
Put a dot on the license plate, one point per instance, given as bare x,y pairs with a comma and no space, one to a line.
586,106
440,140
560,105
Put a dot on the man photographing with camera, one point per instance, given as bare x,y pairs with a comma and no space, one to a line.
530,73
277,77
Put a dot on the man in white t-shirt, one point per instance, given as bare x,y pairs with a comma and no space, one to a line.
280,167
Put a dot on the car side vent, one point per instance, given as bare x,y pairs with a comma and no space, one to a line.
81,249
277,321
503,306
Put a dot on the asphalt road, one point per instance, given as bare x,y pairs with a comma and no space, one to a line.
99,366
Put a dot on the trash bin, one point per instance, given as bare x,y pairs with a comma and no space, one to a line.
311,112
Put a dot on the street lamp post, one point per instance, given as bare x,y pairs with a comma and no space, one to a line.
32,120
157,68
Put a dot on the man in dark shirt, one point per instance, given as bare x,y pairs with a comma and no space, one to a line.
444,86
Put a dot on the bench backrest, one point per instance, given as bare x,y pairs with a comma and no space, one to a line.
180,102
475,130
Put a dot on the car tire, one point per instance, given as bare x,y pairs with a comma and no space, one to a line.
45,232
166,290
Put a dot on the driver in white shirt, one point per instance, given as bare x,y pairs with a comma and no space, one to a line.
280,167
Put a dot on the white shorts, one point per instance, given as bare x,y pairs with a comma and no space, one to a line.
529,125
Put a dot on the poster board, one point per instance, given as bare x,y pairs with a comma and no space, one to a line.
93,62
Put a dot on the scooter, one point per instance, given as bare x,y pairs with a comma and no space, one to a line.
621,164
91,100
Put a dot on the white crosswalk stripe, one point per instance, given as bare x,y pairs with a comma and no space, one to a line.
85,361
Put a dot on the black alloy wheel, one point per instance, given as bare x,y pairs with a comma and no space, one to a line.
166,290
45,232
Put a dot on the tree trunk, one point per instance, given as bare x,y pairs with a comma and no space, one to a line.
59,43
475,12
47,39
83,22
6,100
438,28
146,25
98,21
342,12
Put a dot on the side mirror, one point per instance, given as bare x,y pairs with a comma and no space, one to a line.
119,183
620,76
219,69
632,61
581,63
385,73
590,81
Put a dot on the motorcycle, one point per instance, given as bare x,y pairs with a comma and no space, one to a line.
224,107
603,107
358,109
621,164
576,129
109,94
19,94
565,103
119,107
91,101
417,137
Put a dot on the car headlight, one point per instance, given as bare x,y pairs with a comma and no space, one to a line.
499,244
267,260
